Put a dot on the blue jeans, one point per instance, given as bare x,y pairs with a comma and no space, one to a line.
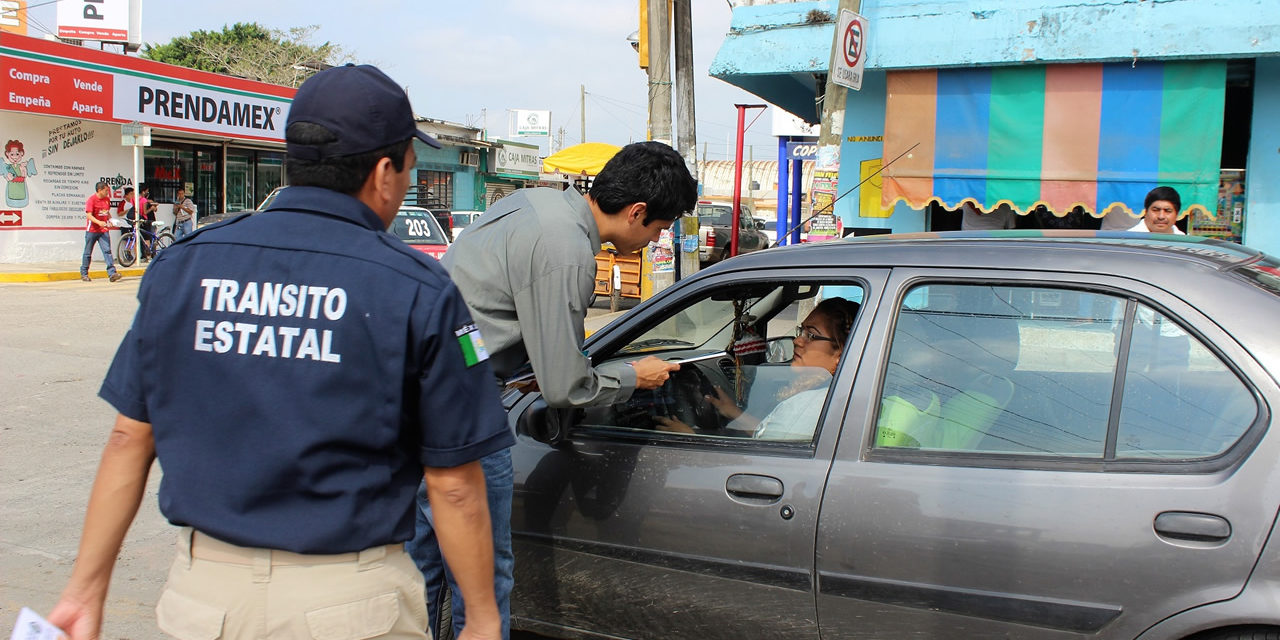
181,229
425,549
103,240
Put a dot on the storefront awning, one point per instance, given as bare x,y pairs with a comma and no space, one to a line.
1087,135
588,158
777,51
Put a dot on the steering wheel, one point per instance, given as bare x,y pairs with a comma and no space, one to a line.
688,388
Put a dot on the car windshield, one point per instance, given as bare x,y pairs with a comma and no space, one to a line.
462,219
266,202
417,227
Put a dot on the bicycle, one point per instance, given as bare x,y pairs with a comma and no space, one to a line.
152,242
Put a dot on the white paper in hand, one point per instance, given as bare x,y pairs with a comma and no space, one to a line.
30,626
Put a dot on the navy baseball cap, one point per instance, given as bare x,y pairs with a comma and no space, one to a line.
361,105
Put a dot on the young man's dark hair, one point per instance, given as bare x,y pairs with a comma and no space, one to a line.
1168,194
648,172
344,174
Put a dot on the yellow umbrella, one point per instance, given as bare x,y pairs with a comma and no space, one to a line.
588,157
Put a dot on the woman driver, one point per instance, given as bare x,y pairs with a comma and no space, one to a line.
819,343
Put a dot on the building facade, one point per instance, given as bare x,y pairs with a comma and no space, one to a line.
1068,110
62,111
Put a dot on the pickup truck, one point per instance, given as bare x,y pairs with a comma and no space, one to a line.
714,224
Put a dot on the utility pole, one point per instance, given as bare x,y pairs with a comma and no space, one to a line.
659,71
686,130
686,263
582,107
833,99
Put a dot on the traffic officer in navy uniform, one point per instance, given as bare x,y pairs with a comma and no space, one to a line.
297,373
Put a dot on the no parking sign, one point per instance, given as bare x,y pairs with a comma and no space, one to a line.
850,50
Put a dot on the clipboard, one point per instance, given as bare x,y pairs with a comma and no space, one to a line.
705,356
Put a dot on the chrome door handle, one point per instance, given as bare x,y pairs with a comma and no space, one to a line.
1198,527
752,486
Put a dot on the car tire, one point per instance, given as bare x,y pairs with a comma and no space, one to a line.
443,627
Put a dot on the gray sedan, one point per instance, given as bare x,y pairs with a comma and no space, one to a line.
1049,436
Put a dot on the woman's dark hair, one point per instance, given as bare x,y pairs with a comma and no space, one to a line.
648,172
1168,194
344,174
842,313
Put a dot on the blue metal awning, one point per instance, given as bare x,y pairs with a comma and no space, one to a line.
775,50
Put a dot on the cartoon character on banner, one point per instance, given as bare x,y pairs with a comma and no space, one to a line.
15,173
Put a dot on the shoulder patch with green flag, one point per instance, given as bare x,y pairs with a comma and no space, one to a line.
473,351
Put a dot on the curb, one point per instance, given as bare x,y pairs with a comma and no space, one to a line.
59,276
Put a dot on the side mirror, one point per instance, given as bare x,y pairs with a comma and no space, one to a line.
779,350
531,416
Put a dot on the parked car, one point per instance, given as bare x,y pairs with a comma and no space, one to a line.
1059,436
214,218
266,202
715,230
419,229
461,219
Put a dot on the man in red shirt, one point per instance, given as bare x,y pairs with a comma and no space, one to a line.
97,211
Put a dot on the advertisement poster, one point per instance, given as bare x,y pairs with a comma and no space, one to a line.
50,168
662,255
824,225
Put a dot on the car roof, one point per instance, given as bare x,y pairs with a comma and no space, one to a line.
1064,250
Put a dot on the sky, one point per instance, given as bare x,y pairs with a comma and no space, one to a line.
472,61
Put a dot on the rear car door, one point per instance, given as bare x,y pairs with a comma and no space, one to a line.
1042,459
627,530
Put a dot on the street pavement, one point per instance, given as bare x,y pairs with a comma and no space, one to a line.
57,338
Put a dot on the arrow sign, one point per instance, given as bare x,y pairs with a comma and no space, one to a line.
11,218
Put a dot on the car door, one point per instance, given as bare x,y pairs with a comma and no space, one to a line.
625,530
1041,459
749,237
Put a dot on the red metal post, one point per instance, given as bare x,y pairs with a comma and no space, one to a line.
737,180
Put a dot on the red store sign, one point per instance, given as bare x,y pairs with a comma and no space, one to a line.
55,90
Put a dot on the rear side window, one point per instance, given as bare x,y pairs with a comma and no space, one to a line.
1033,370
1180,400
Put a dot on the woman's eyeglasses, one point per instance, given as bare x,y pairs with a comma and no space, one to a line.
810,335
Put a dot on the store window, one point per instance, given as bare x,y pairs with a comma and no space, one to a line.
268,173
435,190
168,166
240,193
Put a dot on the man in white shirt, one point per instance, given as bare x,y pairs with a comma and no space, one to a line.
183,209
1160,212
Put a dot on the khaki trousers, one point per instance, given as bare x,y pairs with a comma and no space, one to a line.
218,590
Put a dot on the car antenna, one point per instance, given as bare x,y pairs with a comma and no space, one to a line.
838,199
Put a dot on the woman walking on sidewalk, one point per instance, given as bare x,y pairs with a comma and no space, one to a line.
98,231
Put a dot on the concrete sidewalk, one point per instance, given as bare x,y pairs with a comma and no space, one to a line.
68,270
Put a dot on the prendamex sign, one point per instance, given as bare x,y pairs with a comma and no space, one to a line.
70,90
183,106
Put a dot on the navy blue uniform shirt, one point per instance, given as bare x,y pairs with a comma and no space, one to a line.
299,367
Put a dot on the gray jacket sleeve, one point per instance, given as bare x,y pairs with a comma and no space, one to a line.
552,312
